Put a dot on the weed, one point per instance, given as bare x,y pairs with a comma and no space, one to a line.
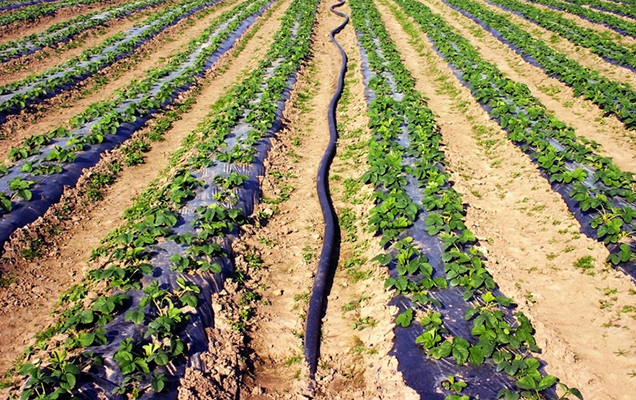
269,243
361,323
292,360
585,262
308,253
605,304
302,297
253,260
347,224
609,291
247,297
4,282
34,250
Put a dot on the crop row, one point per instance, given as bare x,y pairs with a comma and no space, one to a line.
17,95
620,25
623,1
103,125
13,4
586,37
164,265
588,182
623,9
36,11
450,304
614,98
65,30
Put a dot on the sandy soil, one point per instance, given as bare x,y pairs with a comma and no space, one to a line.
36,288
583,115
531,239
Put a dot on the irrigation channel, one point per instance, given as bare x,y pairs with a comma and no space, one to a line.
331,239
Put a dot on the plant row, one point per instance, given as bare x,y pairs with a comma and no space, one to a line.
162,265
611,21
625,9
65,30
598,187
13,4
36,11
15,96
100,123
585,37
614,98
623,1
417,208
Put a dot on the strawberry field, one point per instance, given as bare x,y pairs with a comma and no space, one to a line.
286,199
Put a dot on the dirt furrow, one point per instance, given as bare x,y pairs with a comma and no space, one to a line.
290,243
290,240
537,255
25,304
583,115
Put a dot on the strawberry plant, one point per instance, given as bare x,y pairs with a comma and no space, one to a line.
21,188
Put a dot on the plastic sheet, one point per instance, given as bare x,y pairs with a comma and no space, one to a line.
331,243
49,188
605,24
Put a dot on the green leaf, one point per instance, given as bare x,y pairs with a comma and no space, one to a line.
443,350
136,316
527,382
86,339
405,318
71,380
86,316
476,356
547,382
576,393
460,350
26,194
